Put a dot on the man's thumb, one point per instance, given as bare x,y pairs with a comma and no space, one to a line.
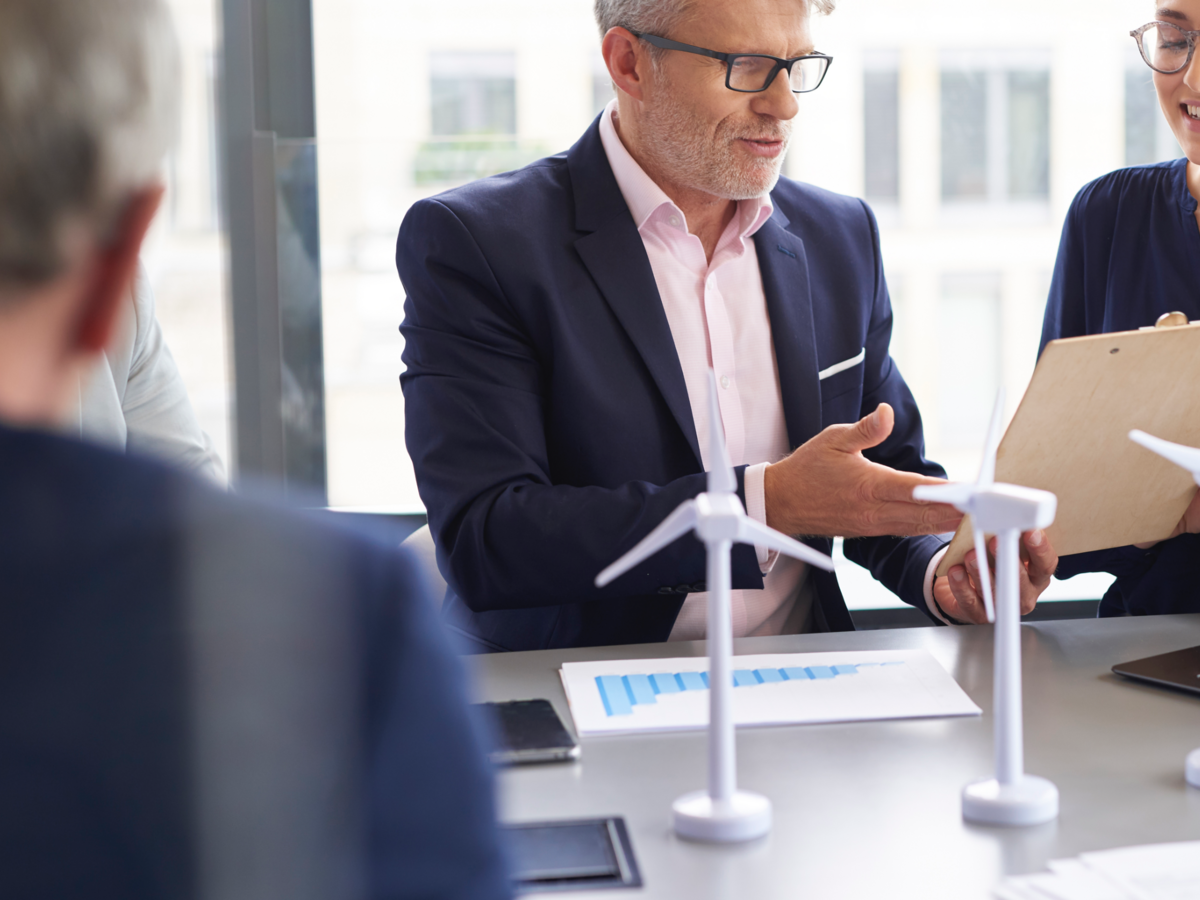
872,430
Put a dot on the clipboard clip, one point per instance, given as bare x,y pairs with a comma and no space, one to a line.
1171,320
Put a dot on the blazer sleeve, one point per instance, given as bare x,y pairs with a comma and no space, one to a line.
898,563
508,537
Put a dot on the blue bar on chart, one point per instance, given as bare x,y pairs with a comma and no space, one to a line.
621,693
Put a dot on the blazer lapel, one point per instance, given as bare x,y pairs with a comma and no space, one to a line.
615,256
784,267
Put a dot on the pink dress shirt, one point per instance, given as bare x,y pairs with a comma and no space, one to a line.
718,317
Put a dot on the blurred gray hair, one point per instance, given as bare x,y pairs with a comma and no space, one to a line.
659,16
89,106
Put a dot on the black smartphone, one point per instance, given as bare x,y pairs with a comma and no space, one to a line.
530,731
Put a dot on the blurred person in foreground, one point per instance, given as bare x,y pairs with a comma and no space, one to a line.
559,327
1130,253
199,696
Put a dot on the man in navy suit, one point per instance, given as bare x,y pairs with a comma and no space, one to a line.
561,320
199,696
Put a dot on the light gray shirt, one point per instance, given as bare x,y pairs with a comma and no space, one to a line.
135,398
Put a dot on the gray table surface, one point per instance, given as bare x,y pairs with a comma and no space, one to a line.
872,809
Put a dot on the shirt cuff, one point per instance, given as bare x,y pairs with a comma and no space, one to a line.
927,589
756,508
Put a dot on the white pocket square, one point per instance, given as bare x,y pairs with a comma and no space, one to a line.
843,365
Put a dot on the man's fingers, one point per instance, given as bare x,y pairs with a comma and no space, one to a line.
1043,559
970,606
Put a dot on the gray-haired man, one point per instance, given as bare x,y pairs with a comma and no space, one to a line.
199,697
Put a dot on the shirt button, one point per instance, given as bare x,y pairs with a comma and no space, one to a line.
674,220
725,381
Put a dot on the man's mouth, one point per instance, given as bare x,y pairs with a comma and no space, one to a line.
769,147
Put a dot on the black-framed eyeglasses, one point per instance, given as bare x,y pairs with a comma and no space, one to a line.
1166,48
752,73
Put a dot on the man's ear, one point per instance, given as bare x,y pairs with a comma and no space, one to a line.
627,61
113,271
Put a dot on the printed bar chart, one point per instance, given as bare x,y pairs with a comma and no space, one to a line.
625,696
621,693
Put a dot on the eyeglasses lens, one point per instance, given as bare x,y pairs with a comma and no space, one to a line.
1165,47
807,74
750,73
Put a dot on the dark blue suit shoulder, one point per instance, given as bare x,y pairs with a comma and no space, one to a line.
539,184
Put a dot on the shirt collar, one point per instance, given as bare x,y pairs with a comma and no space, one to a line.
644,197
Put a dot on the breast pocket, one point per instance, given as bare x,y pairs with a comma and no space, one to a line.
841,390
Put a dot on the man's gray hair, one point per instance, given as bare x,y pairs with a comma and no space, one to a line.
89,108
659,16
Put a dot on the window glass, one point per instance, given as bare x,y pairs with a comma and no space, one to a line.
1148,137
473,94
1028,135
881,134
1141,117
969,357
964,135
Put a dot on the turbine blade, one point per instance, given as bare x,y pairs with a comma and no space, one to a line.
987,468
753,532
670,529
721,479
1183,456
957,495
985,576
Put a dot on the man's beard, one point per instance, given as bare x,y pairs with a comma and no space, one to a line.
679,143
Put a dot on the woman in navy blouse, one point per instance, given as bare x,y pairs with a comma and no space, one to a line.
1130,252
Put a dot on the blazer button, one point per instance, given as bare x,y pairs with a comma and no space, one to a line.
666,590
699,587
683,588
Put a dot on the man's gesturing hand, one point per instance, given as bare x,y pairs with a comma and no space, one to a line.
827,487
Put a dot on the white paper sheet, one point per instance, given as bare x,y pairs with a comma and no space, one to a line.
626,696
1150,872
1153,871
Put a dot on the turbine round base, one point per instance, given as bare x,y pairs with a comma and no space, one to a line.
1193,768
1030,801
745,817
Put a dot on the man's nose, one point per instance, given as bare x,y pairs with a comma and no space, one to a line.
777,100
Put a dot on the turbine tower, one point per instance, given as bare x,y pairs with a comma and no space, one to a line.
1186,458
1005,510
722,813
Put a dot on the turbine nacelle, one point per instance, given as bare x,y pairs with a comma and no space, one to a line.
996,507
718,517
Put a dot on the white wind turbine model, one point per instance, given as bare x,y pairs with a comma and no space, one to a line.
1005,510
722,813
1186,458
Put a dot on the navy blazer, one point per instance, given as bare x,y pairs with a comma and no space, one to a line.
123,591
1130,251
546,412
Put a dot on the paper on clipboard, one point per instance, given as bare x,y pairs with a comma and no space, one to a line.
1070,435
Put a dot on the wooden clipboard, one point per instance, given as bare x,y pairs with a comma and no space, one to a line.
1070,435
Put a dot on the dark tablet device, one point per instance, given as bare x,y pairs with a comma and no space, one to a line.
584,854
1180,669
530,731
